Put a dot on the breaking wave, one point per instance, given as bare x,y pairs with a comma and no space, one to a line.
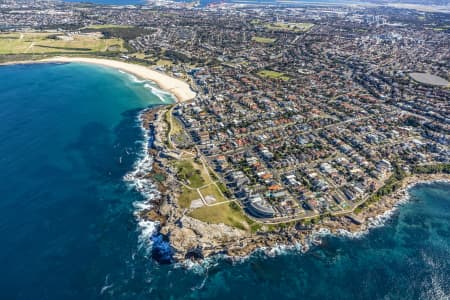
314,239
132,78
137,179
162,95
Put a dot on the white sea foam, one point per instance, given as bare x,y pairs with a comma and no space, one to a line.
202,266
162,95
380,220
281,249
147,229
132,77
106,285
438,280
136,179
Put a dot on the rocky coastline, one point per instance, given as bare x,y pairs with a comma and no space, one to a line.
192,239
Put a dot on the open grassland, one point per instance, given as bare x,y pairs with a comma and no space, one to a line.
192,173
107,26
227,213
53,42
273,75
187,196
164,62
177,128
213,191
263,40
197,183
294,27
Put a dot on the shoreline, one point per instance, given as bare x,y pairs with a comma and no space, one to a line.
193,242
200,266
179,88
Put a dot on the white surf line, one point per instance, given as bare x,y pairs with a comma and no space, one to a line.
180,89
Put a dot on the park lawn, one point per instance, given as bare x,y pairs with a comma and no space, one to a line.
164,62
103,26
15,43
78,44
11,43
227,213
263,40
187,196
255,22
39,43
273,75
213,191
441,28
177,127
139,55
143,56
192,172
295,27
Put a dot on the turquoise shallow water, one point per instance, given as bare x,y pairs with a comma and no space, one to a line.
68,136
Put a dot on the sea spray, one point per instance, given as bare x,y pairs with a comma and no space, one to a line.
312,241
148,230
159,248
202,266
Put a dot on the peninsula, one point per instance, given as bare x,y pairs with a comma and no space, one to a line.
288,122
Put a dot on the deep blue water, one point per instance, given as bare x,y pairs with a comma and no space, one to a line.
66,217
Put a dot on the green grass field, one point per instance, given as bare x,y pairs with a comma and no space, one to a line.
197,177
226,213
40,43
186,197
263,40
193,174
107,26
212,190
273,75
295,27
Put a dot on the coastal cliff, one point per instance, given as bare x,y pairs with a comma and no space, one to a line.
193,239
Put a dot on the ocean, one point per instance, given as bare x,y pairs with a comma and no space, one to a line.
70,134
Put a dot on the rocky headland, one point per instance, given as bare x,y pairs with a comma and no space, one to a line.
192,239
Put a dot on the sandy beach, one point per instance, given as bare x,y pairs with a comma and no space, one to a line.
180,89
